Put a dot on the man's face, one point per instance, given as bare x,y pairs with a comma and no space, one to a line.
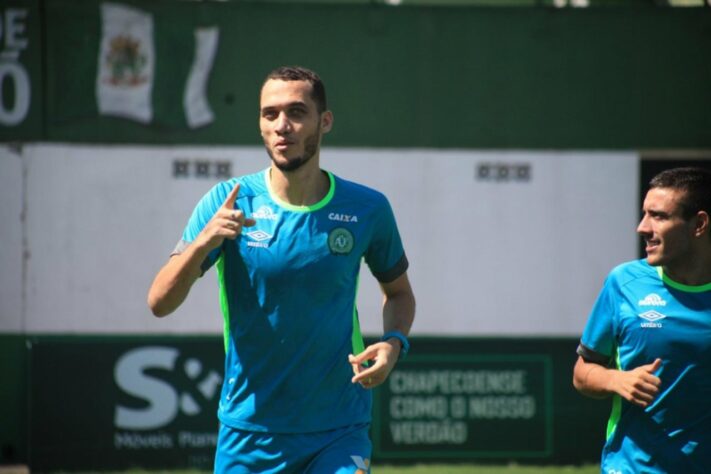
667,234
290,123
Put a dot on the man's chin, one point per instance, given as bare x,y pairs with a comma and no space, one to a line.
289,164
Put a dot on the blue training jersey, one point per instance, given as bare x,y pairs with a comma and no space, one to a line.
288,295
641,315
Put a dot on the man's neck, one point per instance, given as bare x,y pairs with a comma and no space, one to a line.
302,187
695,272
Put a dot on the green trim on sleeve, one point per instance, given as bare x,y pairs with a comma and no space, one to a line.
356,336
290,207
681,286
224,304
616,407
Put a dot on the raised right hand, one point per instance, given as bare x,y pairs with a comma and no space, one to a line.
227,223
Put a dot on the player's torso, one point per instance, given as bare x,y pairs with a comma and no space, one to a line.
656,320
289,283
301,255
290,246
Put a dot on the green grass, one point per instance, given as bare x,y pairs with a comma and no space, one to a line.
437,469
479,469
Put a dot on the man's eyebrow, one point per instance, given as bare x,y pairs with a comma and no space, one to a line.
656,212
297,103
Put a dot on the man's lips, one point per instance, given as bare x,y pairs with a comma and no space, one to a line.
283,144
651,245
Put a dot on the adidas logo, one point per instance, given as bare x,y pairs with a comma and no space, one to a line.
652,299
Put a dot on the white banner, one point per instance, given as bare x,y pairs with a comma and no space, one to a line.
124,79
505,243
197,109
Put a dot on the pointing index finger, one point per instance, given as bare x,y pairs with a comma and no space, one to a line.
231,198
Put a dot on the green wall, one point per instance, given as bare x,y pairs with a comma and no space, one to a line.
14,399
61,396
409,76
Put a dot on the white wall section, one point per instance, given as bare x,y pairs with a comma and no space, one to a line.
499,254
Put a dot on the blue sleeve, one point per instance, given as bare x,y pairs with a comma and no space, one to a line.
597,343
385,255
203,212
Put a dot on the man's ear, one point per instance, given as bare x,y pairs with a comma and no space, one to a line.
326,121
702,223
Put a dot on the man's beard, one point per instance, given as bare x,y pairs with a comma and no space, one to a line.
293,164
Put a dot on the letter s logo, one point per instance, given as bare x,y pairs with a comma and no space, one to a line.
161,397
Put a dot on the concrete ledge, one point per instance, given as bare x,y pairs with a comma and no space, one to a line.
14,469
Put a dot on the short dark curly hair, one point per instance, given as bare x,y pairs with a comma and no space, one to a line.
695,181
298,73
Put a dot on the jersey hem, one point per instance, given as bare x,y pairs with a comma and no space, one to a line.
257,428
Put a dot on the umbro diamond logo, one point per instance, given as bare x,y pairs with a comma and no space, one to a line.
652,319
258,235
652,316
258,238
652,299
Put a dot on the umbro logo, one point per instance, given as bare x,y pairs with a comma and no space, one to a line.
652,319
258,235
258,238
652,299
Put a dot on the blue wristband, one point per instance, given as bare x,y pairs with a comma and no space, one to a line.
403,342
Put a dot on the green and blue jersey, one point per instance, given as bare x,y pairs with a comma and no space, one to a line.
639,316
288,295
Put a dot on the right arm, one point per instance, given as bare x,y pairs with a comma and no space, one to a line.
638,386
173,282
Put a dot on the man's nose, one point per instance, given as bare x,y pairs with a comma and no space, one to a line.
283,124
643,227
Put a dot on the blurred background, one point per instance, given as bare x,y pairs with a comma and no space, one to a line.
514,139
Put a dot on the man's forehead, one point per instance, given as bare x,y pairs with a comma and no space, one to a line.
280,93
668,198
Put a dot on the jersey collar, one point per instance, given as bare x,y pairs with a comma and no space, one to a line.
681,286
314,207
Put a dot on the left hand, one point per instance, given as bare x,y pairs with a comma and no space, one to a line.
383,355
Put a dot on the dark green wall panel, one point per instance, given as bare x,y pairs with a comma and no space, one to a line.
14,403
411,76
21,95
94,403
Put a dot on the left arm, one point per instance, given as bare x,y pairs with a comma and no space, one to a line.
398,315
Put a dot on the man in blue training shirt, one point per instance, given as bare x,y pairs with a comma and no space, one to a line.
648,339
287,243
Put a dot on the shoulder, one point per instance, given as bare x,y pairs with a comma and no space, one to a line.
631,272
366,196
